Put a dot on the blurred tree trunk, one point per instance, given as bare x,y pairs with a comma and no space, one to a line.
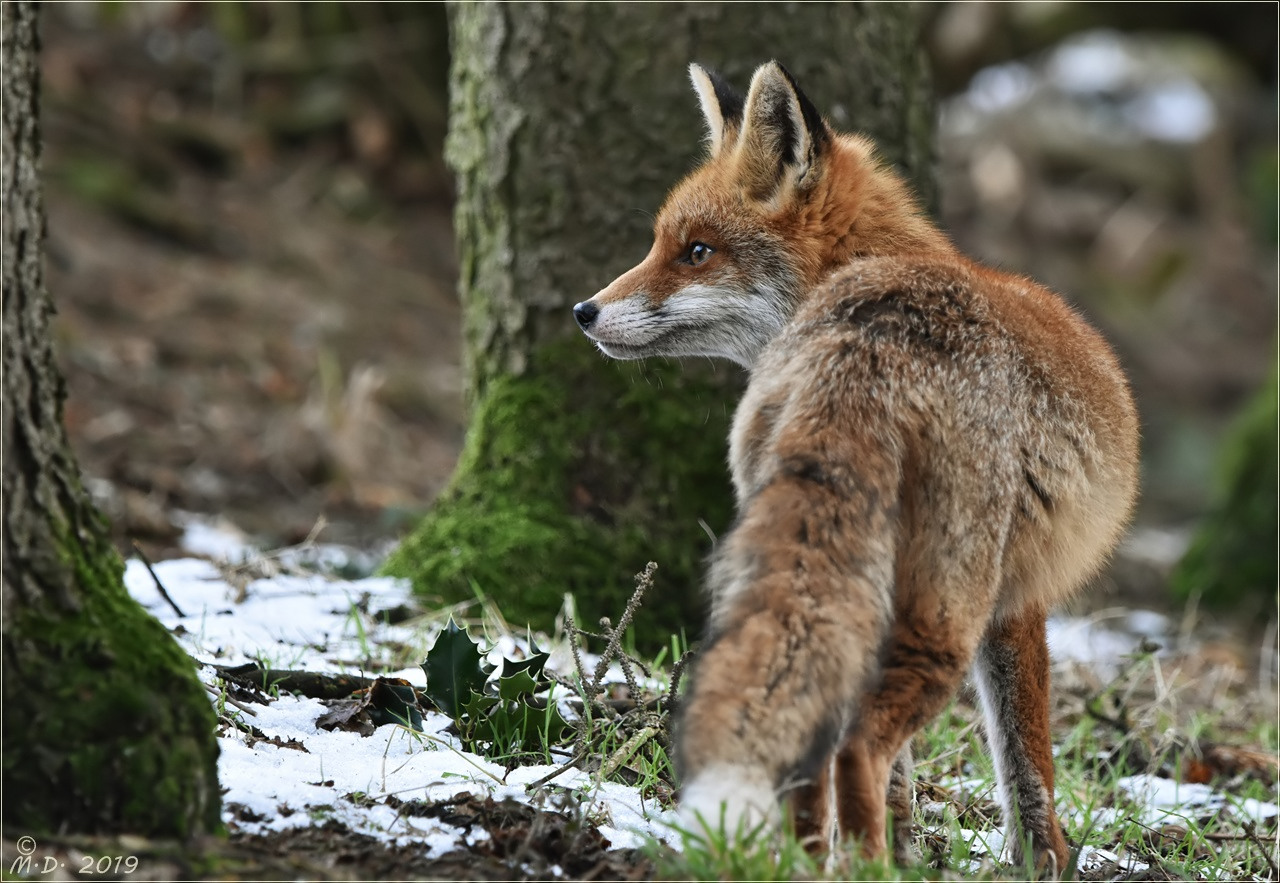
105,726
568,124
1231,562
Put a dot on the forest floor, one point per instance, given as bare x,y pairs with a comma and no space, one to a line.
266,332
326,776
248,327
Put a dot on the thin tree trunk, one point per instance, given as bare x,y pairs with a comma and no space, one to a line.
105,726
568,124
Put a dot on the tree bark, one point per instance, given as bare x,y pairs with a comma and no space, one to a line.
105,726
568,125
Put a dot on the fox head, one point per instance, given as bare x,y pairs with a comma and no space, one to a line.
780,202
724,273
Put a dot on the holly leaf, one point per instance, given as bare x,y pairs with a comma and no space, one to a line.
534,663
392,701
478,705
514,687
454,670
521,727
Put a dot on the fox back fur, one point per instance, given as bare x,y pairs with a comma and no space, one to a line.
929,454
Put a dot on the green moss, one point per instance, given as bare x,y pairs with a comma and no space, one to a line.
1233,555
578,471
1262,181
549,497
106,727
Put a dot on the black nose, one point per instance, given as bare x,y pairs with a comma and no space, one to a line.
586,313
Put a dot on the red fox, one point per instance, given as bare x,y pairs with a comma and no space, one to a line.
929,455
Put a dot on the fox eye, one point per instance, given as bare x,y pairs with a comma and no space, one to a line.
698,253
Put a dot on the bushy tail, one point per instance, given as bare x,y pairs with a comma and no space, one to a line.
802,593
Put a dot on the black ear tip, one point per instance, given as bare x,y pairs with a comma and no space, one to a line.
786,73
717,81
731,101
812,117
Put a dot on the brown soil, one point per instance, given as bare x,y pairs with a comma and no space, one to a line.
516,842
250,328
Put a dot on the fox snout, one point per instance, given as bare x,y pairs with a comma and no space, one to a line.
586,313
620,330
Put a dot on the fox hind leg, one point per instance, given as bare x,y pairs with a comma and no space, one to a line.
930,647
809,804
901,800
1012,675
812,804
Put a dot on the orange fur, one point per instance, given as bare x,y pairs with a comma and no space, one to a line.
929,455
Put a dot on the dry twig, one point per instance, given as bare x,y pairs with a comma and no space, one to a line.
1251,832
677,672
240,705
159,585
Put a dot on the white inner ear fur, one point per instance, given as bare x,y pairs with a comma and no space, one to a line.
771,92
710,107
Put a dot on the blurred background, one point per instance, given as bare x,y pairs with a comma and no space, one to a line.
251,251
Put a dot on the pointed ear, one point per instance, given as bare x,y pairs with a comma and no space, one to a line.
783,135
721,105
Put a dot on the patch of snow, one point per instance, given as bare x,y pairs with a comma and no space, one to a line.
1083,640
1160,546
1168,800
985,848
1258,810
218,540
1161,794
1092,63
972,787
1116,88
288,621
1092,818
319,624
1178,111
1001,87
987,843
1147,623
1102,641
1091,858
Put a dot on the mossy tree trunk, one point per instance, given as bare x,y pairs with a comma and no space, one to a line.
105,726
568,124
